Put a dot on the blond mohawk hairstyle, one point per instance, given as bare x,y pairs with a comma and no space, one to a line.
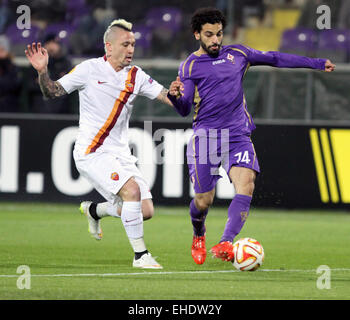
121,23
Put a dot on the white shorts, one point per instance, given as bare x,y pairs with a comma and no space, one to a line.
108,174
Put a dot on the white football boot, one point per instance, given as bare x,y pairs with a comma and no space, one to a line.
94,225
146,262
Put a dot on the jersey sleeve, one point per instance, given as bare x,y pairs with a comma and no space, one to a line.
183,103
76,79
149,87
189,89
282,60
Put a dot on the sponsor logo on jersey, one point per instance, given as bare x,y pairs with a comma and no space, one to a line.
218,61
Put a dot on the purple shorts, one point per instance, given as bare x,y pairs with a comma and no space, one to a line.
207,152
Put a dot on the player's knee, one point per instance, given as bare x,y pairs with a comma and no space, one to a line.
247,188
203,203
245,184
134,193
130,191
250,188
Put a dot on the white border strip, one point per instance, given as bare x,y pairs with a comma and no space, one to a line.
158,273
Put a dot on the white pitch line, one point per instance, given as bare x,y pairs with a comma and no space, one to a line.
157,273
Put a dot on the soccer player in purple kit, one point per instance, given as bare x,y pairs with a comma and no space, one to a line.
211,79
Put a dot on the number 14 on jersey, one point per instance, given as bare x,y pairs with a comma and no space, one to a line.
242,157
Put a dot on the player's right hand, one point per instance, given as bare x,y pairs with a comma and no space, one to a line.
176,88
329,66
37,56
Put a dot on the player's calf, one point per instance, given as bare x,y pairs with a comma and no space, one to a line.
147,209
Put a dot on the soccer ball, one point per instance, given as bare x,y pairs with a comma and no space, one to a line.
249,254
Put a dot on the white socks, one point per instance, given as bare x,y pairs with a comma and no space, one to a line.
106,209
132,219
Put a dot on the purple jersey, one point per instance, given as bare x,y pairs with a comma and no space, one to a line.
214,86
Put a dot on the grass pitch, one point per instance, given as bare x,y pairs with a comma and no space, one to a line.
66,263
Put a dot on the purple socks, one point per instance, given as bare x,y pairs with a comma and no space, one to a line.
198,219
238,212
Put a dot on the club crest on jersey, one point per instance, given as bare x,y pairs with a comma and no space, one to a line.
231,58
129,86
115,176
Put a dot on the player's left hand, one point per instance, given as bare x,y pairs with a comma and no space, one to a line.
176,88
329,66
37,56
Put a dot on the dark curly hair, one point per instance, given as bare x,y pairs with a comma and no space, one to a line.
207,15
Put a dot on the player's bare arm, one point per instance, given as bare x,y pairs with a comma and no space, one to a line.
162,97
39,59
50,89
176,88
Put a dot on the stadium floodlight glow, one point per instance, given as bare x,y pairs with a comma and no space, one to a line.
341,38
25,33
62,34
302,36
167,17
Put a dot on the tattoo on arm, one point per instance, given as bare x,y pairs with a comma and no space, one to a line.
50,89
163,97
